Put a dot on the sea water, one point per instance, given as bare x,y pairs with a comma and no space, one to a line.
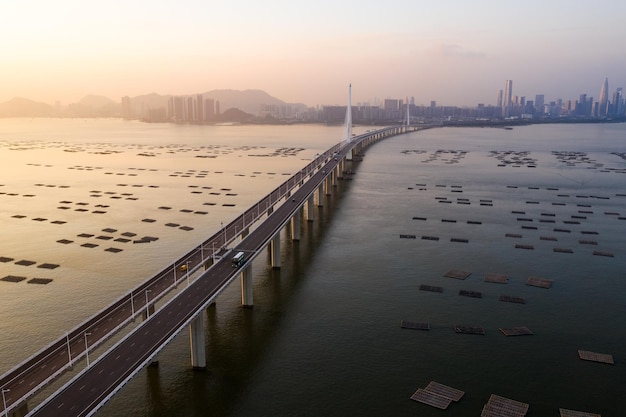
324,336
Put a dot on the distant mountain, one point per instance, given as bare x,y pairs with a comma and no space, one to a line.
97,101
22,107
94,106
248,101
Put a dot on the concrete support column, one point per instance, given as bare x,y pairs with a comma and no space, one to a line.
336,175
246,287
197,343
245,232
328,184
320,195
310,214
295,225
275,251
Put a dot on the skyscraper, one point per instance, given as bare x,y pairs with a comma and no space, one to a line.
508,99
603,102
539,101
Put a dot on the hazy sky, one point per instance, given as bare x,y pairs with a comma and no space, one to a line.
454,52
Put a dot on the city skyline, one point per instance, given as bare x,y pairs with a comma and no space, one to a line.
455,52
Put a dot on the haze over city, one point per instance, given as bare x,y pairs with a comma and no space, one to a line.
455,52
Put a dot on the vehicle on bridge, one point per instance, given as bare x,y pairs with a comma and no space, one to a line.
239,259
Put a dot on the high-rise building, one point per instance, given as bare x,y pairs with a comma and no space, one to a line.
618,103
508,99
603,102
499,100
539,102
199,107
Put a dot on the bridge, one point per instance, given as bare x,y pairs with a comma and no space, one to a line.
187,287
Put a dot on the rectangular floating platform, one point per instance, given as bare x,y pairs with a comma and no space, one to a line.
497,278
407,236
528,247
431,288
511,299
41,281
473,294
573,413
445,391
457,274
595,357
504,407
516,235
598,253
469,329
516,331
430,238
12,278
539,282
414,325
562,250
430,398
455,239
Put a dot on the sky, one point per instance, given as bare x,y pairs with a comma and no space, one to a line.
454,52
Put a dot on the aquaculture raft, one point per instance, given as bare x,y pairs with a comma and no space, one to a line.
539,282
573,413
497,278
595,357
503,407
455,273
414,325
469,329
516,331
437,395
431,288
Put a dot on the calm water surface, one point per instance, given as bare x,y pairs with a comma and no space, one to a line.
324,336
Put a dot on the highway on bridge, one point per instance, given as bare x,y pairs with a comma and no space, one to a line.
92,386
95,384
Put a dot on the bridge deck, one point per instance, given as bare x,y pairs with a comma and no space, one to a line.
109,372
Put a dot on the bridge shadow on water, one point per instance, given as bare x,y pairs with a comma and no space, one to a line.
237,338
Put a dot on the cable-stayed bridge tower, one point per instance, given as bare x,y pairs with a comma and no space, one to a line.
348,126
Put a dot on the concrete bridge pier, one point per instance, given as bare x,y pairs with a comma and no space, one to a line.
310,214
328,184
295,225
275,251
246,287
320,195
197,343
